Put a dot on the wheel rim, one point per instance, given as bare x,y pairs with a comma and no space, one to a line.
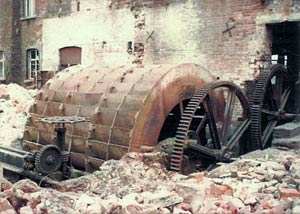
269,101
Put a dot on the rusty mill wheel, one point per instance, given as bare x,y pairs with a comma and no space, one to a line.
213,127
268,104
128,107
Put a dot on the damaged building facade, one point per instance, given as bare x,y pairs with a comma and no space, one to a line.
232,38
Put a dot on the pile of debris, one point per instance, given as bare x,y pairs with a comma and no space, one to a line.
15,102
260,182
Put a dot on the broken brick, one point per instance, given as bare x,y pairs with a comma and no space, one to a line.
184,206
288,193
6,207
198,177
218,190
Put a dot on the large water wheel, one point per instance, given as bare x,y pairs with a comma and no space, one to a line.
128,107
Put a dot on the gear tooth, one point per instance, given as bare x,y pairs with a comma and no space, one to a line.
182,129
256,104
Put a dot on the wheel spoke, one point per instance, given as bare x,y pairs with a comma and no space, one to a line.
269,112
284,98
267,132
272,102
227,116
212,123
238,134
202,149
278,89
201,124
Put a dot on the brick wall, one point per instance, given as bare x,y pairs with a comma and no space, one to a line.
161,32
16,49
6,22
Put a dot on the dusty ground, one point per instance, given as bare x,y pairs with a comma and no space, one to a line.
260,182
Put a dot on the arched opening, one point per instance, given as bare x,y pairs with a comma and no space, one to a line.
169,127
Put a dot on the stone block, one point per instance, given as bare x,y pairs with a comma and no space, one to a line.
236,203
290,143
287,130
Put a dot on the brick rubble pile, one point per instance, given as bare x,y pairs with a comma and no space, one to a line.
140,184
15,102
260,182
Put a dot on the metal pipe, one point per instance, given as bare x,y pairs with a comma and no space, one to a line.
60,137
21,152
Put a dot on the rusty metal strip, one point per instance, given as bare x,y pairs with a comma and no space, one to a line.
93,86
72,131
149,94
44,113
118,109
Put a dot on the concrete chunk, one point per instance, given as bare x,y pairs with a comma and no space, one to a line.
287,130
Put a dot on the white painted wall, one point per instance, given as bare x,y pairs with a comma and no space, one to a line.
184,32
175,38
88,30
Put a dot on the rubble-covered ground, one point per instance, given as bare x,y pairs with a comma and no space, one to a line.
259,182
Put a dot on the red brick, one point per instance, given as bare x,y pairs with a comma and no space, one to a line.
289,193
185,207
218,190
129,209
199,177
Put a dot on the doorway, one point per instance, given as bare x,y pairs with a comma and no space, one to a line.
285,49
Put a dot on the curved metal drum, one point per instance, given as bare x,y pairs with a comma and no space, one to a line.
127,106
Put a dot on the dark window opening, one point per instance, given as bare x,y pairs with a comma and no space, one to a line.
69,56
285,49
